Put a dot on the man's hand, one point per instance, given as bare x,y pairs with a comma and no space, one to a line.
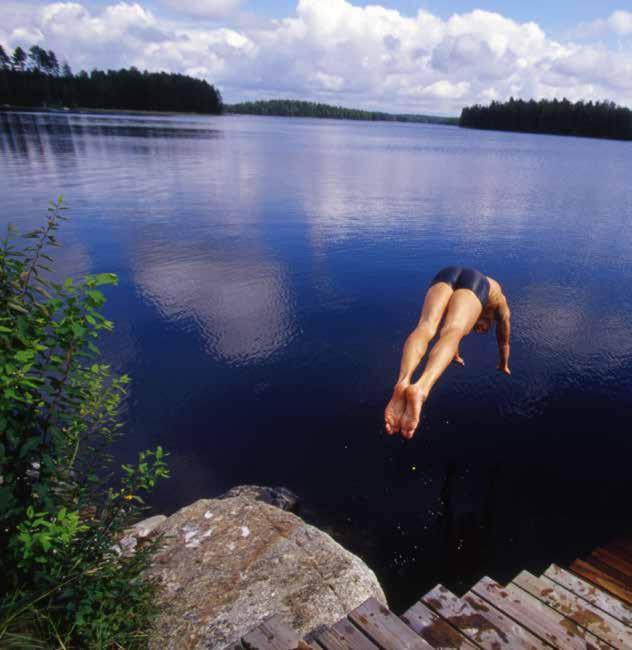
504,368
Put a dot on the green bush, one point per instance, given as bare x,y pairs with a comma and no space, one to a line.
63,508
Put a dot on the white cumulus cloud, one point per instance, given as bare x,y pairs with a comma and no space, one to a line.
618,22
621,22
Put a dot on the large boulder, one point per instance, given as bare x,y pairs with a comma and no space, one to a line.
227,564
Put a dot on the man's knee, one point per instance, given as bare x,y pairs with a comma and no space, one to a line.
452,330
427,329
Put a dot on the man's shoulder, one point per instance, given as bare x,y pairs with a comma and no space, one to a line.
497,300
495,289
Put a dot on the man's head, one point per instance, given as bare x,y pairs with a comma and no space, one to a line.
482,325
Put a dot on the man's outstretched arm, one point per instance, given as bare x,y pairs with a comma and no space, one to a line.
503,333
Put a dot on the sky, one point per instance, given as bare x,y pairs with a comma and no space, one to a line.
421,56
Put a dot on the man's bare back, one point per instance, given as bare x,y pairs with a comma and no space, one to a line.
461,299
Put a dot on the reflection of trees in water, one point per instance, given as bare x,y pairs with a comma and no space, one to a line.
32,135
440,540
14,135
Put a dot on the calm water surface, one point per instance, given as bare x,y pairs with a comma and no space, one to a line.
270,270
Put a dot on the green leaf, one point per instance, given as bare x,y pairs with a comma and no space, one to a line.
24,356
30,445
96,295
105,278
78,330
17,308
42,292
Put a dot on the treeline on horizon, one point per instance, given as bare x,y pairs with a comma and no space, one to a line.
296,108
37,80
558,117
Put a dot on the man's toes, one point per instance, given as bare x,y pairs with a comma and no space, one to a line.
408,433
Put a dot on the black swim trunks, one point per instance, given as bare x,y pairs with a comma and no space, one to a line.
459,278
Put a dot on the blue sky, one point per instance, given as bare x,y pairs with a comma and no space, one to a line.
397,55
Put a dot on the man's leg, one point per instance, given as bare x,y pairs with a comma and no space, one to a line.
436,301
463,311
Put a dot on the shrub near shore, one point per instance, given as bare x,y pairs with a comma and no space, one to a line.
63,580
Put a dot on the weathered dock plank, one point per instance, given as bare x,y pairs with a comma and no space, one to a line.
615,559
604,580
273,634
434,629
602,625
387,630
549,625
621,576
591,593
330,639
352,636
479,621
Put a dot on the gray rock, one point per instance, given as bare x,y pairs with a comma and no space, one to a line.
147,526
279,497
140,531
227,564
127,545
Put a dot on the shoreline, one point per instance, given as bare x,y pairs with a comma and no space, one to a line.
6,108
123,111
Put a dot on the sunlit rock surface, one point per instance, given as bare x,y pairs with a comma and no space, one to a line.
147,526
228,564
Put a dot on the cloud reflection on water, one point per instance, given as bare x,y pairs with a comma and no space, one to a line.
565,322
244,310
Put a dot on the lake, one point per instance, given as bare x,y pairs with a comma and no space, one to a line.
270,270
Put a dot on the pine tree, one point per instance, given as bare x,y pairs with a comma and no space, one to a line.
39,59
53,64
5,61
19,58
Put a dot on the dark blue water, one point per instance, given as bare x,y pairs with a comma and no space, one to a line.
270,270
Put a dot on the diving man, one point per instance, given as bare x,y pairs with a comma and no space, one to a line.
464,299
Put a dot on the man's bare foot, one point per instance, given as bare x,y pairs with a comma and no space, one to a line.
410,420
395,409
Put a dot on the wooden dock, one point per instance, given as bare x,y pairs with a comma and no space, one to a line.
588,607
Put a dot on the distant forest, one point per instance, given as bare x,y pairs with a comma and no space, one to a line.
596,120
36,79
294,108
